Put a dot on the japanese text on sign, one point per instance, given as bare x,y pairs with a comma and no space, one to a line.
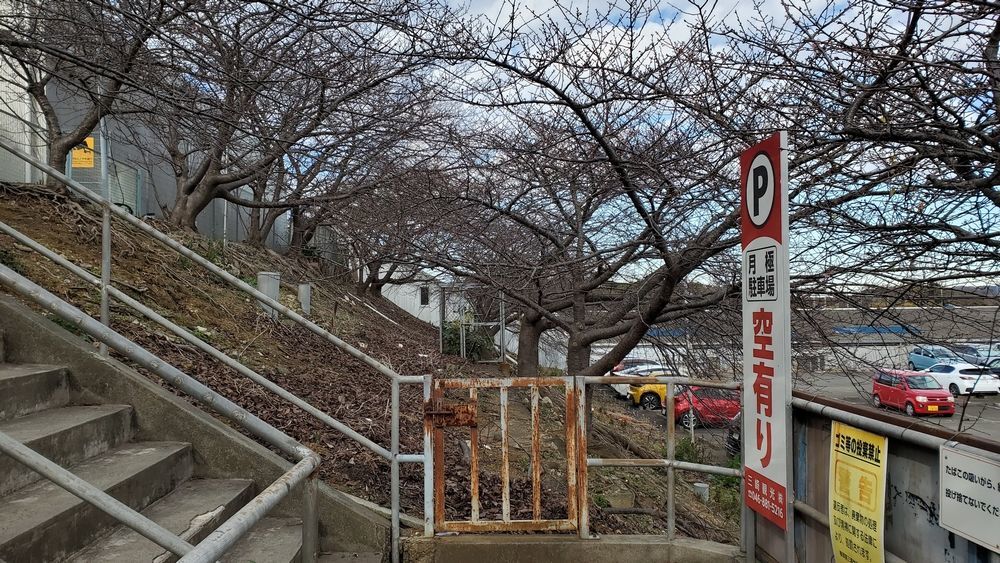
970,496
759,277
82,156
857,494
763,369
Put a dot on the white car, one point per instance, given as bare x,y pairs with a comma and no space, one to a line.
622,389
960,379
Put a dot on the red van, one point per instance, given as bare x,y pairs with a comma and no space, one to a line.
911,391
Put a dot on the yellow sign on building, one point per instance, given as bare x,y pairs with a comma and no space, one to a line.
83,154
857,494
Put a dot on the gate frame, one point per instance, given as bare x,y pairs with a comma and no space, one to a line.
439,413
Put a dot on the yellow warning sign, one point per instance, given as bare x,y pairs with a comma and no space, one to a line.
857,494
83,154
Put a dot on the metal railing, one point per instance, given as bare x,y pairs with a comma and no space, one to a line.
109,292
237,525
670,463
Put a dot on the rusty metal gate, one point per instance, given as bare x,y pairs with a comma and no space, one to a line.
443,412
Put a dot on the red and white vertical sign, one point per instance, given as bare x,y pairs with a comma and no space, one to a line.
767,382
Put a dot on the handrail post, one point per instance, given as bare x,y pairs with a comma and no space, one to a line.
428,465
394,471
583,505
310,519
105,231
671,438
105,269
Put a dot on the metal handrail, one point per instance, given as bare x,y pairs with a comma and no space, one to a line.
392,454
670,463
194,340
91,494
308,461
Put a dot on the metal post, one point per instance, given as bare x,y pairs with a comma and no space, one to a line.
504,456
105,270
394,471
693,419
105,234
461,337
441,316
310,519
428,466
583,508
671,437
503,331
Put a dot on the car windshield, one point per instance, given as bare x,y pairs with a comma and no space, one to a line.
923,382
942,353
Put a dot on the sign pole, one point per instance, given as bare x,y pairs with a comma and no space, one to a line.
767,366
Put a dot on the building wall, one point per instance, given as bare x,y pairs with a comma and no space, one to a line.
407,297
140,178
18,123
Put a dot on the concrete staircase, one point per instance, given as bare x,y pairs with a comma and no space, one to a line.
158,455
39,521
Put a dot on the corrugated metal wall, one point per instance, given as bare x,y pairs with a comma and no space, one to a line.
131,185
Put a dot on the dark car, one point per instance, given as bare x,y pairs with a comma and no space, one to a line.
734,445
968,353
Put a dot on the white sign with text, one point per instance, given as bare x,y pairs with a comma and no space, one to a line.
970,496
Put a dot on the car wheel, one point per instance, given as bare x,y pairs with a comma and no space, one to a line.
877,402
649,401
954,390
909,410
689,420
911,366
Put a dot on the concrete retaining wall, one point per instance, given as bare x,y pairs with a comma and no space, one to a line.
564,549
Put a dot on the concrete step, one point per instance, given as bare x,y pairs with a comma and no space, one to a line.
44,522
272,540
191,511
28,388
66,436
350,557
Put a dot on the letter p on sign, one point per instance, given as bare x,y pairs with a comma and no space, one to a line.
760,187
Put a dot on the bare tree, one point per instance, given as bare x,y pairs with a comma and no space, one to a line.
91,53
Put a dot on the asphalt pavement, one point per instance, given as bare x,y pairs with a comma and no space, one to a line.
982,414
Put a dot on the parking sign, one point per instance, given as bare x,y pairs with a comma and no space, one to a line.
767,385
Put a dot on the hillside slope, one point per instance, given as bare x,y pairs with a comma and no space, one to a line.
333,381
288,354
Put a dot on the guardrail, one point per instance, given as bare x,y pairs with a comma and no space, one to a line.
109,292
670,463
231,530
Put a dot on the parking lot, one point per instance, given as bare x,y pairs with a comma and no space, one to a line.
982,416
